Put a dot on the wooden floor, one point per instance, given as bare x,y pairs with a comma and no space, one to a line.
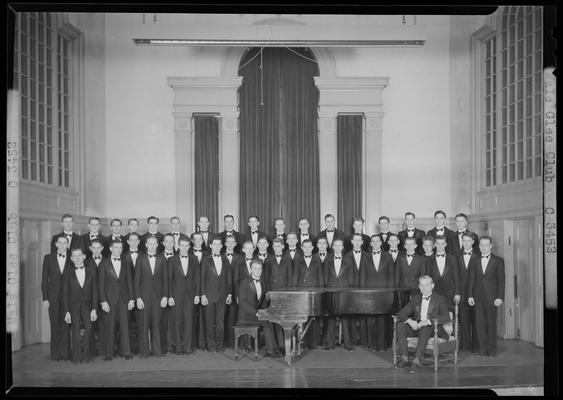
518,364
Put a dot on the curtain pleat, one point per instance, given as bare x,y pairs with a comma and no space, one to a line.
279,173
349,158
206,168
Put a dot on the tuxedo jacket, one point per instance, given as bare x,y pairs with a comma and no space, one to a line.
418,236
216,287
207,246
86,242
489,286
204,253
338,234
145,283
247,236
308,277
346,275
248,301
90,262
114,289
107,251
181,284
73,295
448,233
464,271
407,275
382,277
75,242
143,242
129,261
356,270
384,242
51,277
437,308
298,253
277,275
454,242
447,284
312,237
223,235
239,271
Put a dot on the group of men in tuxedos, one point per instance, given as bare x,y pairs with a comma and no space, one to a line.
156,293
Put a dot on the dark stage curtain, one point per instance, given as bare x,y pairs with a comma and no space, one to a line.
206,168
349,156
279,160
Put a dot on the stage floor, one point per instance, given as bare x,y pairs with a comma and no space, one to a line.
518,364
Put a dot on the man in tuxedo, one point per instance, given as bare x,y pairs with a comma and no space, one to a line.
130,259
278,275
384,232
293,250
116,226
468,258
338,273
94,226
444,271
308,272
415,319
252,297
165,320
330,233
323,250
97,330
216,292
486,294
242,270
357,258
457,238
54,266
393,246
80,302
358,227
236,263
411,231
151,291
304,234
279,230
428,245
229,223
116,298
74,239
184,283
261,250
441,230
132,227
203,228
253,233
152,225
199,327
175,231
377,272
409,266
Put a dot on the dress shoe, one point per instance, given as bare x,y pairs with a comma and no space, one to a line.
402,364
416,368
128,356
349,348
277,353
268,354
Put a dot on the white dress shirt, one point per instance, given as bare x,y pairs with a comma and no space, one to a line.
424,308
322,256
304,236
134,257
308,260
205,237
248,261
394,254
61,261
410,233
337,265
254,236
80,275
440,231
485,261
152,262
292,253
258,288
198,254
357,257
384,235
69,237
97,260
441,262
460,238
218,263
262,256
466,258
116,266
278,258
410,257
184,262
329,237
376,259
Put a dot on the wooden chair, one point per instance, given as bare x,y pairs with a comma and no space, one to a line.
250,330
442,350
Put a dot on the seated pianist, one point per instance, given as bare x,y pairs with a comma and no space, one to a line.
251,298
415,319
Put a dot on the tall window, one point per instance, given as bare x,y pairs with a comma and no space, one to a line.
512,103
43,74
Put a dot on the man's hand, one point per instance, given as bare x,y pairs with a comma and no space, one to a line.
412,324
457,299
471,301
163,302
196,300
93,315
105,306
67,318
426,322
131,305
46,304
229,299
140,304
171,302
204,300
498,302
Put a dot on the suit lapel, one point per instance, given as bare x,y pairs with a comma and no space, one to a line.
111,269
431,305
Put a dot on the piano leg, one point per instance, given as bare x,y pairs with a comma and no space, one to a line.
289,349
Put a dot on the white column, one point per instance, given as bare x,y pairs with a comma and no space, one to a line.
184,170
229,167
328,166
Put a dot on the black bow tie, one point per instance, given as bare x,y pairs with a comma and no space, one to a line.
280,235
183,256
338,258
426,297
133,251
410,255
376,252
175,233
197,251
68,234
278,255
151,255
169,254
441,255
304,234
229,254
393,251
228,232
80,267
216,255
467,253
256,280
292,251
440,229
115,259
253,232
248,259
93,236
308,256
487,256
357,251
203,231
61,255
411,230
322,254
329,230
97,258
460,233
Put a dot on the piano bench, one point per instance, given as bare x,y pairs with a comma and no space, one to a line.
246,329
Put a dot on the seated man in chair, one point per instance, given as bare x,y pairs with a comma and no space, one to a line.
415,319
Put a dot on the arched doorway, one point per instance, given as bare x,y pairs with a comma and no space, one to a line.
279,152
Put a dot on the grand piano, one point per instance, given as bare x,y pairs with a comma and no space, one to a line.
295,308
